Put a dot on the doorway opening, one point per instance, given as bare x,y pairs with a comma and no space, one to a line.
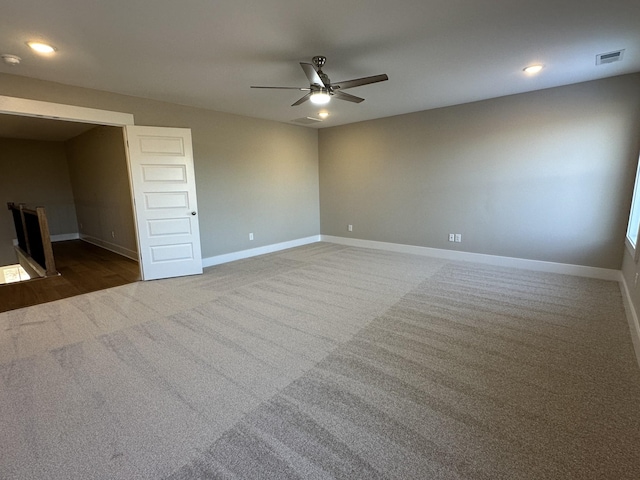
160,170
87,231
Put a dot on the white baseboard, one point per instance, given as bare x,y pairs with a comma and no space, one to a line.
632,317
254,252
537,265
112,247
63,237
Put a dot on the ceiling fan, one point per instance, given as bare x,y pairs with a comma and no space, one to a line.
320,87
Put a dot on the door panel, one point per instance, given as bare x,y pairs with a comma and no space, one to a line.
166,200
165,173
181,226
164,192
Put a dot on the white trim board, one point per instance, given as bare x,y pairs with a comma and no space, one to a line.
112,247
254,252
632,317
537,265
63,237
59,111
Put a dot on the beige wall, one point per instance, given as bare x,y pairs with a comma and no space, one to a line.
251,175
546,175
35,173
100,181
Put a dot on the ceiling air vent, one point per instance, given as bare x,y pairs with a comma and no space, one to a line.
307,120
610,57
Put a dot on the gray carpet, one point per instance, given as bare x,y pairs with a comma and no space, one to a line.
325,362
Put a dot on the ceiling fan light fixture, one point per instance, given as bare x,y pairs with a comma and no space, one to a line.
320,97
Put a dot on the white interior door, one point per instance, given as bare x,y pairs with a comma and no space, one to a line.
164,194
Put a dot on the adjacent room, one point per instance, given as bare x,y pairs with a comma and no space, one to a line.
325,240
77,172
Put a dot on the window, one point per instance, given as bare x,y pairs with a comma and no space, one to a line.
634,216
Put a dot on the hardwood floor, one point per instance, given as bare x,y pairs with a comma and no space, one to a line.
83,268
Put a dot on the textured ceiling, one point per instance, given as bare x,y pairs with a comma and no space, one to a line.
208,53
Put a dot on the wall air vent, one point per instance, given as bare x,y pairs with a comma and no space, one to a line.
307,120
610,57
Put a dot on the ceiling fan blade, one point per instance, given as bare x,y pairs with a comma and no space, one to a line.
312,74
359,81
302,100
302,89
346,96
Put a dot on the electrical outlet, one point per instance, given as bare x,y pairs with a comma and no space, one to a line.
452,237
350,228
458,237
251,236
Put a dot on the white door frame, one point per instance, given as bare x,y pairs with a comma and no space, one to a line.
59,111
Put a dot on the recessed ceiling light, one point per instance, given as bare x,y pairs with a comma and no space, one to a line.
323,114
41,47
532,69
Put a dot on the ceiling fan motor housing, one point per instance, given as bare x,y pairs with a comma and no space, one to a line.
319,61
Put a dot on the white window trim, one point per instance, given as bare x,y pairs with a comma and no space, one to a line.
634,214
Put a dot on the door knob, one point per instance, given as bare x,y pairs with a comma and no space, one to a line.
193,213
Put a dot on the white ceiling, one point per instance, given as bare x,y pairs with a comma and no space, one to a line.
207,53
